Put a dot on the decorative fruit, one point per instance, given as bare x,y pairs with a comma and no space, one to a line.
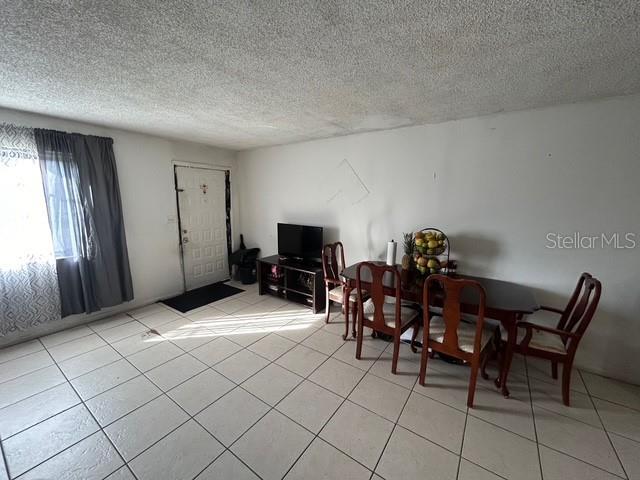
419,235
432,244
423,262
432,263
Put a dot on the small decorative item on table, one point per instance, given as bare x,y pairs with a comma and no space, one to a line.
409,246
276,275
431,253
306,281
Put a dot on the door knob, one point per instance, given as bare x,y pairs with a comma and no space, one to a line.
185,240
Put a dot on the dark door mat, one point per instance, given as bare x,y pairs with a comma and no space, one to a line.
201,296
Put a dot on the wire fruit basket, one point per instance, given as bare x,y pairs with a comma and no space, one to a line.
432,248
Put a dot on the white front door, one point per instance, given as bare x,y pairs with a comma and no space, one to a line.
203,225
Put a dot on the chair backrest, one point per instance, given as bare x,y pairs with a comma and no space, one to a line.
449,291
581,308
377,276
333,262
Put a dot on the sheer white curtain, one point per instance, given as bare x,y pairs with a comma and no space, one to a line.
28,281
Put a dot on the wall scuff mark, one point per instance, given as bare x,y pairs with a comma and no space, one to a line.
344,185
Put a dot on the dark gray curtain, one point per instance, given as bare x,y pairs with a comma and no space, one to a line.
85,213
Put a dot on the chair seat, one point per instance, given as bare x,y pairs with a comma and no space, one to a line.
389,309
540,340
466,334
336,294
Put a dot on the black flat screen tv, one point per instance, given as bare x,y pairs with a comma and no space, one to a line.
299,241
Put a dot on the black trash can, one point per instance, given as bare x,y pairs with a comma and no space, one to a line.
247,274
244,260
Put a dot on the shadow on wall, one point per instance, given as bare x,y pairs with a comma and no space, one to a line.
331,234
474,252
377,237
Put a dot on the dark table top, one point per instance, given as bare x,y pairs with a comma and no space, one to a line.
502,296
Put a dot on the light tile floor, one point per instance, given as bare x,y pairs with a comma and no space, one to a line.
253,387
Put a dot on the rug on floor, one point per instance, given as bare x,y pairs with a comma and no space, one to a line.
201,296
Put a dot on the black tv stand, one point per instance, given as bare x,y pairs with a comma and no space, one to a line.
300,281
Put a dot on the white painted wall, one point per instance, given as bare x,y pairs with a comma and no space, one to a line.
497,185
145,173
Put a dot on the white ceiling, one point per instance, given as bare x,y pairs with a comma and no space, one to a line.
242,74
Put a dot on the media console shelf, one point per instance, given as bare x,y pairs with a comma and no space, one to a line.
298,282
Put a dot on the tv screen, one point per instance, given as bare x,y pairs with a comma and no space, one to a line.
299,241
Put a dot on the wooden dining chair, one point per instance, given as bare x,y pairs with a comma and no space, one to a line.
382,313
448,334
559,344
332,265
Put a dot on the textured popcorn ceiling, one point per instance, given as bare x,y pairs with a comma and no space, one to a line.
241,74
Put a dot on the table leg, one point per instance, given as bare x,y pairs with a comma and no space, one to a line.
512,334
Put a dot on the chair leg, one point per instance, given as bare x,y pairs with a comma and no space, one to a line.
483,364
345,310
396,353
327,305
554,370
472,381
416,330
566,383
359,339
424,357
493,354
354,314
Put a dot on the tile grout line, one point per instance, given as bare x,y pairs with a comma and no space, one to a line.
190,417
365,373
88,410
4,460
589,394
395,424
275,332
624,470
271,408
533,417
19,356
43,420
193,417
298,343
111,343
464,432
344,400
583,461
560,451
84,438
163,393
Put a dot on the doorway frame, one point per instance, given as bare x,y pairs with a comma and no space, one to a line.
203,166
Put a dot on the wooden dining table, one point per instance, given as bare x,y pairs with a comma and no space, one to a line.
506,302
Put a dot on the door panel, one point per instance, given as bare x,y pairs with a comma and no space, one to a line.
201,199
